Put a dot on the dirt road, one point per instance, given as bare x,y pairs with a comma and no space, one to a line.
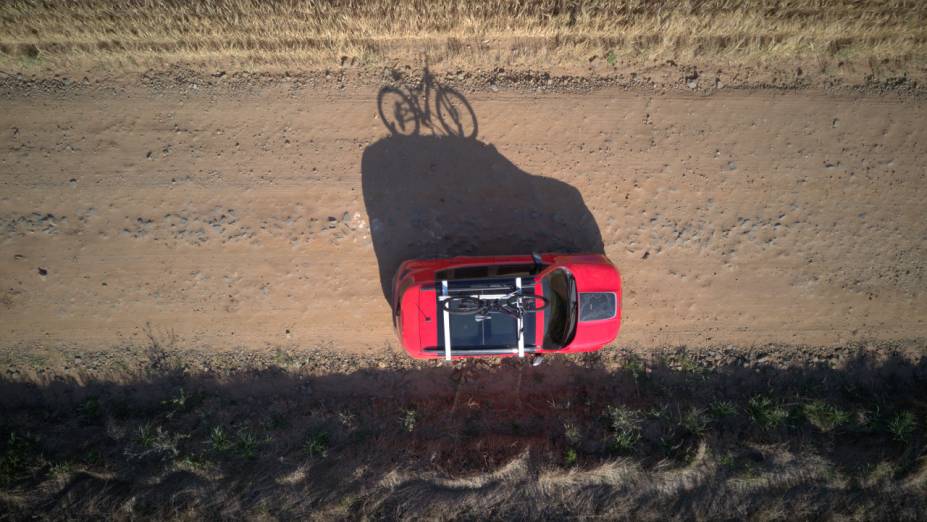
250,218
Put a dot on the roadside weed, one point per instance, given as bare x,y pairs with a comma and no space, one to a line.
726,460
17,458
317,444
721,409
177,403
218,440
408,419
246,444
611,58
765,412
146,436
569,457
571,432
825,417
61,469
694,421
625,425
635,365
902,425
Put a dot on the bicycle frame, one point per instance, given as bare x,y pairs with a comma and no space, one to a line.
519,316
423,106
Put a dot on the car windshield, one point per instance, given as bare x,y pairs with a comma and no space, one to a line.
560,316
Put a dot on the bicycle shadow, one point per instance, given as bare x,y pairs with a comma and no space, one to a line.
449,195
406,112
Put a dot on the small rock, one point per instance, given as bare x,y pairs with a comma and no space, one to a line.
692,84
43,272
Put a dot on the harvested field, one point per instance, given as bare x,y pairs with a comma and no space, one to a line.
755,42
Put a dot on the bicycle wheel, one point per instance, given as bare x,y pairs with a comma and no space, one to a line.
397,112
529,303
462,305
455,114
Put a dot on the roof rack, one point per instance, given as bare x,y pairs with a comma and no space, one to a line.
484,293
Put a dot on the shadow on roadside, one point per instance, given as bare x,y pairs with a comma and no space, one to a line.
421,441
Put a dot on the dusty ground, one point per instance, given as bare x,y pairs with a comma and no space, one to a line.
246,216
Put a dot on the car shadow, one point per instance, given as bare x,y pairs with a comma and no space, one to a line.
288,438
449,194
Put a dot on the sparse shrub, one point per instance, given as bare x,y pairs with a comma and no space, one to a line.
17,458
689,365
569,457
825,417
218,440
902,425
694,421
721,409
182,402
195,462
179,402
146,436
571,433
726,460
246,444
409,417
625,425
347,419
635,365
658,412
317,444
61,469
153,440
611,58
765,412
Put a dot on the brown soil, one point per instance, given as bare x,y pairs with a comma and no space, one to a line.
264,215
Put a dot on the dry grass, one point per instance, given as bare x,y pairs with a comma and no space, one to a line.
127,35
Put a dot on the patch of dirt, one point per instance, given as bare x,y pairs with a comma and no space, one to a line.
264,212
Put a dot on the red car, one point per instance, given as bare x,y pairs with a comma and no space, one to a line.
504,306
